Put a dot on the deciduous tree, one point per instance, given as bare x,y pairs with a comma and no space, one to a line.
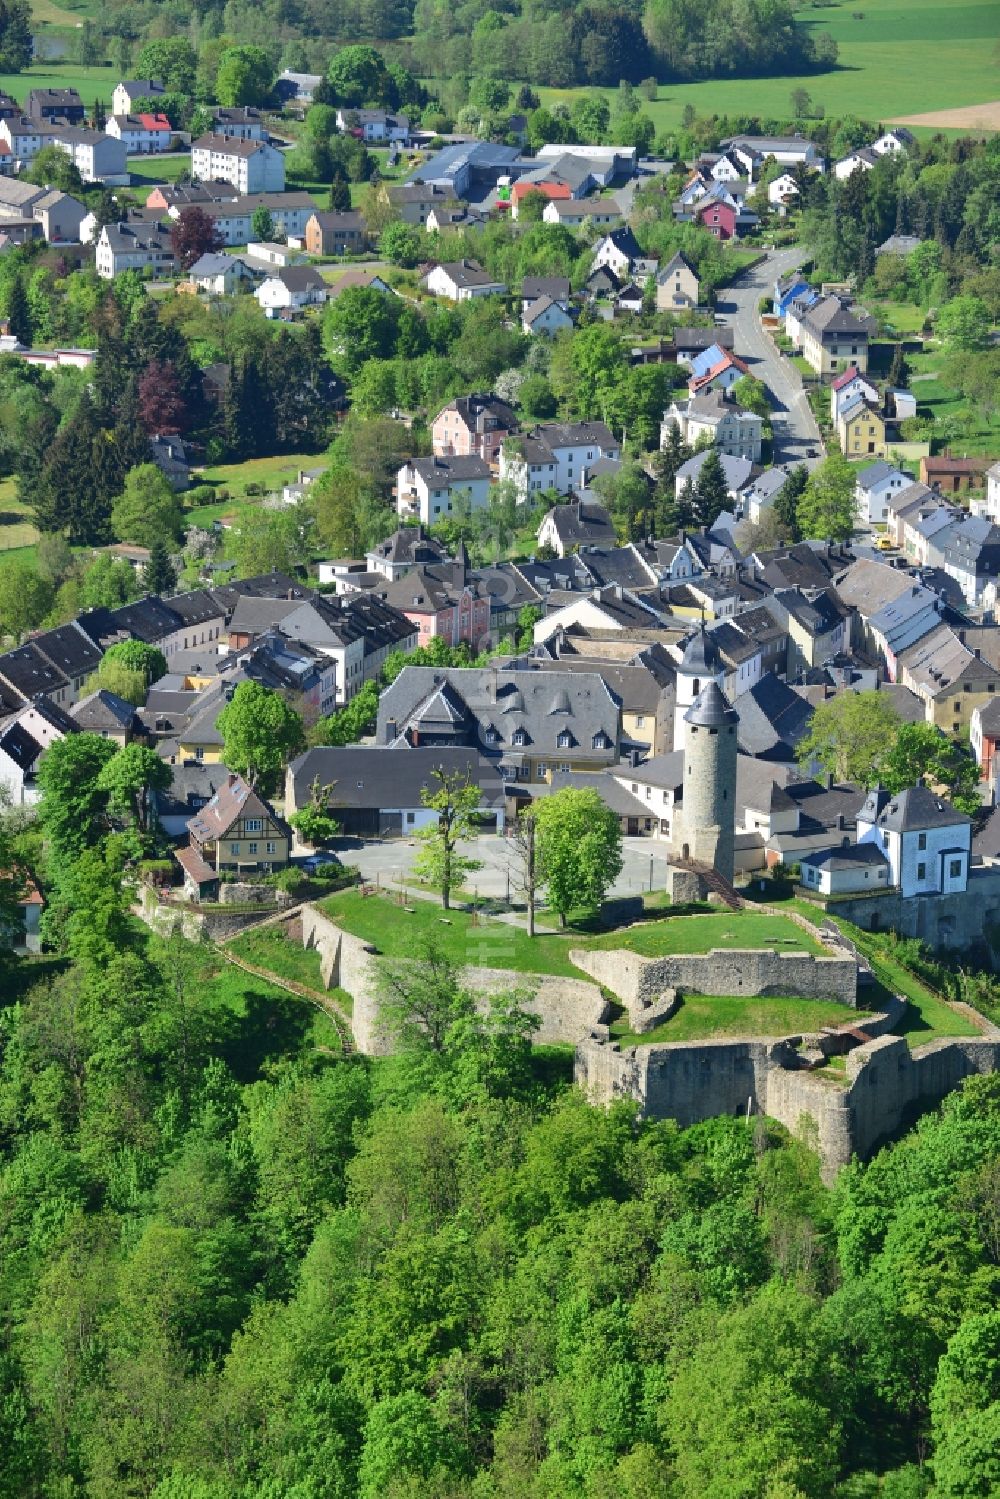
260,733
848,736
455,799
194,234
578,850
148,509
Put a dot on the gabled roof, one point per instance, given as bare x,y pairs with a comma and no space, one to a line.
104,710
233,800
229,145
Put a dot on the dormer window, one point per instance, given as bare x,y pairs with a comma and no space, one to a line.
491,736
565,740
519,738
601,741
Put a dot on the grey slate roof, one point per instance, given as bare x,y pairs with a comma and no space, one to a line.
104,711
379,776
918,808
711,709
773,718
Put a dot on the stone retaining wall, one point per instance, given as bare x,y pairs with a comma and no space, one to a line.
638,982
569,1008
886,1085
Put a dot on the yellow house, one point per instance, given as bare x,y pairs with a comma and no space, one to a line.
861,431
239,831
950,680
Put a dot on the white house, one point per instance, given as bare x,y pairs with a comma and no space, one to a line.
291,288
250,166
782,188
737,473
25,137
891,141
556,456
244,123
429,487
461,280
130,90
24,738
989,506
575,212
761,493
142,134
374,125
787,150
851,869
926,841
97,156
846,389
618,251
732,430
290,212
861,160
872,489
133,247
544,315
219,275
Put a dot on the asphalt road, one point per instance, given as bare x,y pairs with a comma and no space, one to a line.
795,429
643,859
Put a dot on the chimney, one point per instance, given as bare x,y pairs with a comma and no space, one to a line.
829,780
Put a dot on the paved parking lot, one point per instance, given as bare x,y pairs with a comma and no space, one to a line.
644,868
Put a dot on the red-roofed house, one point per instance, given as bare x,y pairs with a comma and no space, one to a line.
141,134
548,190
722,376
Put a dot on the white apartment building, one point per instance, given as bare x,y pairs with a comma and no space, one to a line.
250,166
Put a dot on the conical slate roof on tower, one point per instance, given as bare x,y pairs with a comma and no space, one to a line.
711,709
701,654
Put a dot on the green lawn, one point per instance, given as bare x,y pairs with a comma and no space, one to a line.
150,171
695,934
90,83
272,948
699,1016
17,530
400,933
967,432
898,57
271,473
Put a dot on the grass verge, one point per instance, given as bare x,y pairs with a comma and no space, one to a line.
701,1016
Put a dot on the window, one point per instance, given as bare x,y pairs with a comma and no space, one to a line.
270,848
519,738
234,848
251,848
540,771
254,825
955,869
921,841
921,871
640,721
565,739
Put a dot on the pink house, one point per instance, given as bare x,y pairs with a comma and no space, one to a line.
473,426
441,600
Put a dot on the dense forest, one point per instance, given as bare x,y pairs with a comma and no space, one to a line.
533,41
239,1264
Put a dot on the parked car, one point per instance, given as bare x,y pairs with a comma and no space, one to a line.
315,862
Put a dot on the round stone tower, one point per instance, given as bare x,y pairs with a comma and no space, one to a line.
699,665
707,829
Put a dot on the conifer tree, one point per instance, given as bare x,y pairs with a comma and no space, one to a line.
159,576
711,494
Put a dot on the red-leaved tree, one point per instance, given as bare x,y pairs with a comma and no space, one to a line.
194,234
162,407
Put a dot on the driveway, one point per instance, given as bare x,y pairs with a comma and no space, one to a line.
644,863
795,429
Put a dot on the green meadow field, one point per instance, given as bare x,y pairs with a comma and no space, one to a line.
902,57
